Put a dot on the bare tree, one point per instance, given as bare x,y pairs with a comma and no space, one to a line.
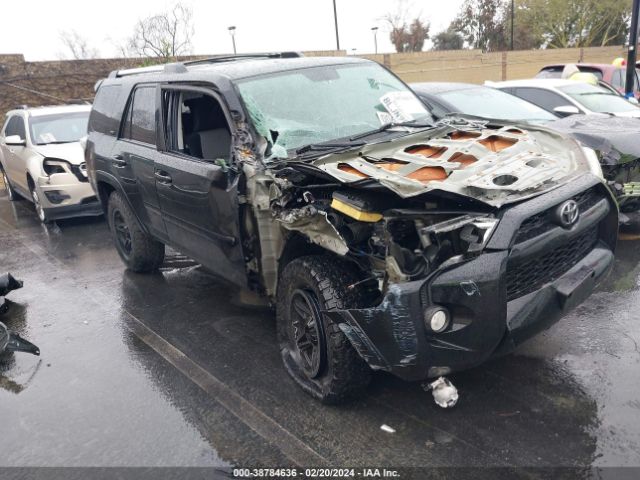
407,35
76,46
163,35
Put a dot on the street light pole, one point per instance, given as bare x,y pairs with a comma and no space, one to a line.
232,32
335,18
632,55
513,15
375,38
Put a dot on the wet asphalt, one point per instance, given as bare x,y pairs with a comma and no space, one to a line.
171,369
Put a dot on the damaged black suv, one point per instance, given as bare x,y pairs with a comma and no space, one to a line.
385,241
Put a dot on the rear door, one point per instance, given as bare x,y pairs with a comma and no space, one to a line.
196,189
134,155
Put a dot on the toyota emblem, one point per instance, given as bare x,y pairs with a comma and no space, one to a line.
568,214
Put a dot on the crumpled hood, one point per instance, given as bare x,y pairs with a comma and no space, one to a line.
71,152
493,165
616,138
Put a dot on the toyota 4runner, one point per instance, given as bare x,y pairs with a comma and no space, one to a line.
385,241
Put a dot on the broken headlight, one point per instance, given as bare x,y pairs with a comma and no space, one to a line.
52,166
419,245
593,161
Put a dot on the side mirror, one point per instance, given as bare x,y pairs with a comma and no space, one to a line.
633,100
15,141
566,110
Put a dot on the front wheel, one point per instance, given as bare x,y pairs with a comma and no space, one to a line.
35,196
314,350
139,251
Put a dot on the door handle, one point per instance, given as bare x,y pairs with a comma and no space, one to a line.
119,161
163,177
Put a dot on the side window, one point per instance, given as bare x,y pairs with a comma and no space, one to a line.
15,126
543,98
195,125
105,117
140,120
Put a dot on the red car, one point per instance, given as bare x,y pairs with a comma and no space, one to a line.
610,74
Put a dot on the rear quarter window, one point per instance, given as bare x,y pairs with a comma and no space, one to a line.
106,111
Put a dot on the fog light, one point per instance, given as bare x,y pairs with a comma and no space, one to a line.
436,319
56,196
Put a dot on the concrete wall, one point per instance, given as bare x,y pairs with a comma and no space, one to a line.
474,66
54,82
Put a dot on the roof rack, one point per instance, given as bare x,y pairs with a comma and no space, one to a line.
180,67
22,107
247,56
136,71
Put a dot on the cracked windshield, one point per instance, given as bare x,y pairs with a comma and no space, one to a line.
320,104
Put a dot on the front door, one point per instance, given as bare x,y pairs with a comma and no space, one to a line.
15,165
197,193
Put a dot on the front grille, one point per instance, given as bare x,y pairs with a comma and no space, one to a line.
542,222
533,274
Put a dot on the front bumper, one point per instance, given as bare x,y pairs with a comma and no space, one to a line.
64,196
491,312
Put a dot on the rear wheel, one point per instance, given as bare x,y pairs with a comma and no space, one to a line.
314,350
11,193
139,251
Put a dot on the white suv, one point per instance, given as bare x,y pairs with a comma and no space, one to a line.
42,159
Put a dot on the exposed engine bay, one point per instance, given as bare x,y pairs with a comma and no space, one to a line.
400,209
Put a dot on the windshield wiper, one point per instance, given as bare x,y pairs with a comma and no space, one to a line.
321,147
388,126
58,143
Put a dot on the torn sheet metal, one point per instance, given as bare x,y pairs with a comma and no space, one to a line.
495,166
315,225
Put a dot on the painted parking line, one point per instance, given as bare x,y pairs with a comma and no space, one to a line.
290,445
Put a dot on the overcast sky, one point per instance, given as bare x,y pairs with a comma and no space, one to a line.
262,25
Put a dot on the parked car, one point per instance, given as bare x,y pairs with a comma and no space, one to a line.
613,139
42,160
385,241
604,72
568,97
445,98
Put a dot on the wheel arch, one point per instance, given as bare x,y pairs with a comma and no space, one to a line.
105,185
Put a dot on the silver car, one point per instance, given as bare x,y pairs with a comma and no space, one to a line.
569,97
42,160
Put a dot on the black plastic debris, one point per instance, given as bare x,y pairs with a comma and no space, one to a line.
12,342
7,283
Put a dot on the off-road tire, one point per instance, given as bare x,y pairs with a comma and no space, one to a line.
343,374
12,195
142,254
